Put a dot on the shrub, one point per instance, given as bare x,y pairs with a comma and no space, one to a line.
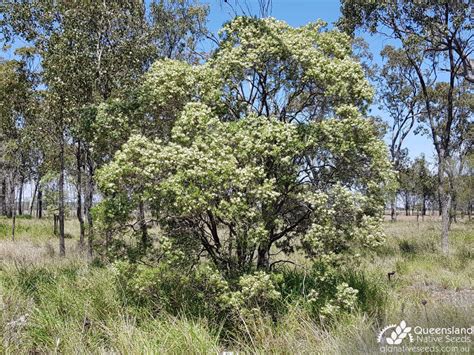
230,182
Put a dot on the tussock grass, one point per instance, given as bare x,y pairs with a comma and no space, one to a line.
71,307
67,305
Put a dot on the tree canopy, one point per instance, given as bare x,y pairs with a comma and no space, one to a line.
267,148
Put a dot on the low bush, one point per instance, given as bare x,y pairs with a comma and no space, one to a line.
203,292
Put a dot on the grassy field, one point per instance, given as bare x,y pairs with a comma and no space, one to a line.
69,305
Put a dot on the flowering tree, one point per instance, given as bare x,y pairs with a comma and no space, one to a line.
267,151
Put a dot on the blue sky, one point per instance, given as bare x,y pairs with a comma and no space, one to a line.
300,12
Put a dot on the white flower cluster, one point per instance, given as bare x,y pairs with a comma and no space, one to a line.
346,298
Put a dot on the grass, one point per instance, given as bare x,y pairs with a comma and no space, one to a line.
412,251
68,305
77,309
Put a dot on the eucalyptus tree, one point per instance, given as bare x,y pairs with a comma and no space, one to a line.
425,182
399,97
461,161
91,52
436,38
407,184
465,186
10,132
16,116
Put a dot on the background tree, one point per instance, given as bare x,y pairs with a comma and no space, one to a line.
400,99
16,116
91,52
436,38
425,183
465,187
460,166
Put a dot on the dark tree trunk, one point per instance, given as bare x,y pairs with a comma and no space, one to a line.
407,205
89,202
11,199
142,224
3,198
39,203
263,261
55,224
80,217
33,197
440,207
453,210
13,210
62,245
20,196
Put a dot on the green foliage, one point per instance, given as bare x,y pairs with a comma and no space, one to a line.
323,288
293,74
323,291
18,106
200,293
242,177
417,184
244,171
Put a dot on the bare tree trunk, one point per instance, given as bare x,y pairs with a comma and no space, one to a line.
90,223
39,203
453,209
393,207
20,196
79,194
263,255
55,224
445,200
33,197
407,205
263,261
13,210
89,202
440,208
62,245
11,195
3,198
445,221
